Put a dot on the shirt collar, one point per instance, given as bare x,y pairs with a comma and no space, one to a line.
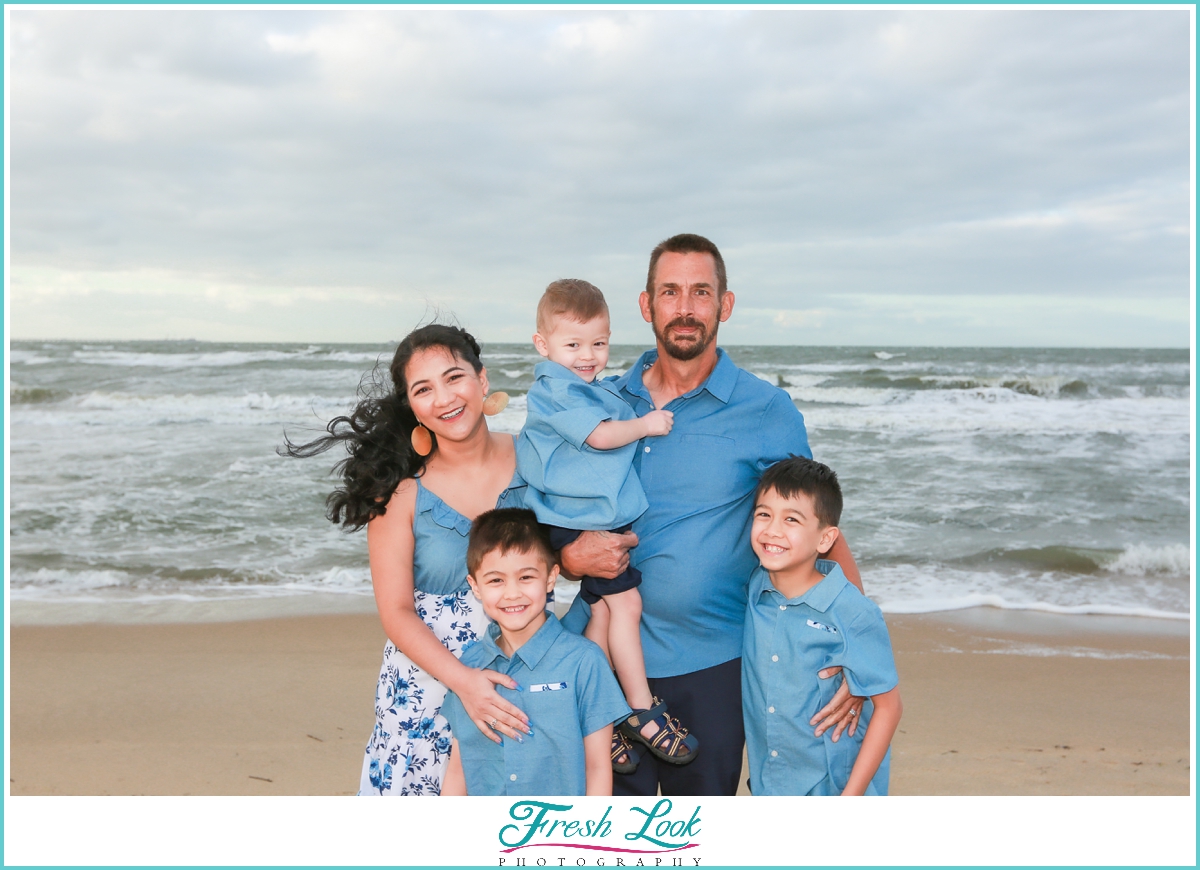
548,368
719,383
821,596
533,649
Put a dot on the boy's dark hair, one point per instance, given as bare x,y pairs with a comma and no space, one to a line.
508,529
799,475
570,297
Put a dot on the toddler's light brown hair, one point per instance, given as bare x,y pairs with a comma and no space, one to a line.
569,297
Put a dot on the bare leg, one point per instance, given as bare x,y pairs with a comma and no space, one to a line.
625,648
597,629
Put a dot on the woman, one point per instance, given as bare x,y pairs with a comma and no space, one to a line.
418,510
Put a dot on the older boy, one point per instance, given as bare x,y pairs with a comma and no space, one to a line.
563,680
803,616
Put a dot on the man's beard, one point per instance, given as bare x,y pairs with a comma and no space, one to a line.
689,348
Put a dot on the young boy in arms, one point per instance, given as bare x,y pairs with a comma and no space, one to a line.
563,680
804,616
576,453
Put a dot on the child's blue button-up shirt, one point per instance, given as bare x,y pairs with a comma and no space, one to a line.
694,539
572,484
787,641
567,690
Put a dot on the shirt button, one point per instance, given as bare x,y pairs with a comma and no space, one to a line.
774,658
513,777
774,754
770,709
647,449
783,607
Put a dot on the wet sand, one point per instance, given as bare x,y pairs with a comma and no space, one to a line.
993,704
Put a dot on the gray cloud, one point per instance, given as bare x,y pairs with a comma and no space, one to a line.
319,174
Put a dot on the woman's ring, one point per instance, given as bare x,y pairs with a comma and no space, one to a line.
492,724
853,712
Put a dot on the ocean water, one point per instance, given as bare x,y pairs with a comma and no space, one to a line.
144,474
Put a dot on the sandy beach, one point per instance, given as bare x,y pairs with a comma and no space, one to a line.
995,703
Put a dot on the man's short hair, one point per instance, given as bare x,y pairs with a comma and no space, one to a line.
508,530
798,475
570,297
687,243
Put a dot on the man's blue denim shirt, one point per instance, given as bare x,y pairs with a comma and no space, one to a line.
694,539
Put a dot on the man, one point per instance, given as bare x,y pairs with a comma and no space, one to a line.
692,544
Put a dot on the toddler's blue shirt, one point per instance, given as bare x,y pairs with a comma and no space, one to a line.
572,484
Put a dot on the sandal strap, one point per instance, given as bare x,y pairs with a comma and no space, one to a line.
620,746
674,733
641,717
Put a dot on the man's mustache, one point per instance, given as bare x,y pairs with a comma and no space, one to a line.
689,322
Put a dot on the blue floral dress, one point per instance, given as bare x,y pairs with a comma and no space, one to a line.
410,745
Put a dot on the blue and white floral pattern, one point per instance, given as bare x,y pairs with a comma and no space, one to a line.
410,745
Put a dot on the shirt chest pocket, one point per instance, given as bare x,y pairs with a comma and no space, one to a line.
823,646
549,704
699,468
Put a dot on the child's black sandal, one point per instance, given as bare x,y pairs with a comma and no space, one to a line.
671,743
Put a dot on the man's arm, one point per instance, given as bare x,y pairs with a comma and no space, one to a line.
840,553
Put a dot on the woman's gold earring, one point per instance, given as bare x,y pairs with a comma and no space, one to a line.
495,403
422,441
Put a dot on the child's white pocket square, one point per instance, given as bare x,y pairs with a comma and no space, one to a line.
814,624
547,687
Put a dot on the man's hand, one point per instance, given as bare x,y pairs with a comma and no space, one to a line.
842,709
598,554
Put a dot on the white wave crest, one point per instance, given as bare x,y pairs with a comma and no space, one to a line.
61,585
215,359
1017,648
28,358
55,581
190,406
1144,561
862,396
994,410
965,602
914,588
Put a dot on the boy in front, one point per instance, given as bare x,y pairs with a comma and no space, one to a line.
563,680
803,616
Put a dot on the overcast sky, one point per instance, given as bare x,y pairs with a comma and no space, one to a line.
965,177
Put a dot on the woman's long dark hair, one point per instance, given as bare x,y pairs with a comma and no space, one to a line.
377,432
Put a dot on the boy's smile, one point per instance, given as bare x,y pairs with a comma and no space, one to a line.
512,587
787,537
581,347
